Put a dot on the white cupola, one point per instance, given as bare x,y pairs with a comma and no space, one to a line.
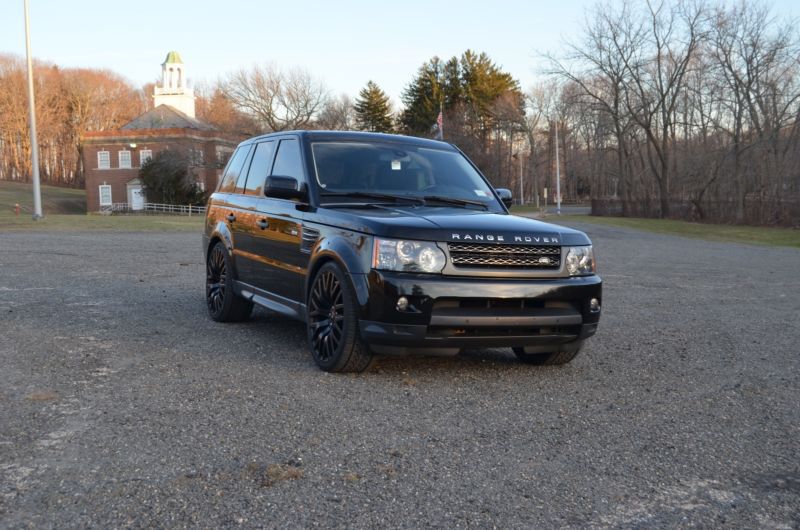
174,90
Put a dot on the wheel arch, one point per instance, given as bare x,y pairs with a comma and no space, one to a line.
342,253
222,233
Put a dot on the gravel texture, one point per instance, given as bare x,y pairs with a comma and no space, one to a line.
123,405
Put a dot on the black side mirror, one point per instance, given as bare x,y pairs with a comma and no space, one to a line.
505,196
281,187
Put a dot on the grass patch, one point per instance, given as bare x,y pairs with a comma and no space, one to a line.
758,235
55,200
93,222
65,210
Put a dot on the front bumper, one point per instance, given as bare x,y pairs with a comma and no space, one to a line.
464,312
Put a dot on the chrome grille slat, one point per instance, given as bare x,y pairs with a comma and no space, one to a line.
505,256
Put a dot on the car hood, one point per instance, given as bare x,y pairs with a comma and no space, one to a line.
451,224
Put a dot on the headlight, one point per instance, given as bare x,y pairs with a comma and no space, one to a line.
407,256
580,261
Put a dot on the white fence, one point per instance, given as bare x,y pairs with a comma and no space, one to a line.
154,208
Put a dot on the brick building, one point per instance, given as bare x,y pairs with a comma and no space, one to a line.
112,159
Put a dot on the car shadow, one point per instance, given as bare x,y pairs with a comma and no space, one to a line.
291,333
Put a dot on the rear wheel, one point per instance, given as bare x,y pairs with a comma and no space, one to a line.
223,304
563,356
333,333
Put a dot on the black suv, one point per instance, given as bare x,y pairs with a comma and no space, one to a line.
390,244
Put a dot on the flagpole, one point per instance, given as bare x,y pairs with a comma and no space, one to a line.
441,112
37,192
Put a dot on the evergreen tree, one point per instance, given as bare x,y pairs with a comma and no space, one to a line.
373,111
469,85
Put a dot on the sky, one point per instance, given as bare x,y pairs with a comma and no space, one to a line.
344,43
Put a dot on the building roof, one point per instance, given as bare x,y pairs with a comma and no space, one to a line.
173,57
166,117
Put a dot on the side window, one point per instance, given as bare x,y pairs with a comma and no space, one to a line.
288,162
228,184
259,168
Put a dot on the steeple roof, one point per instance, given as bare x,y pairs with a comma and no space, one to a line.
173,57
166,117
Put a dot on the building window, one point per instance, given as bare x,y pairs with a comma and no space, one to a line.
124,159
144,156
105,195
201,184
195,157
103,160
223,154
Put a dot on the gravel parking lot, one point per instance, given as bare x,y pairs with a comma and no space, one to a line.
122,404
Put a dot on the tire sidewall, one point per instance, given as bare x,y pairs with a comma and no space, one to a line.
336,362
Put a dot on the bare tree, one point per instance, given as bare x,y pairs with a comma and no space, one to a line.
278,99
337,114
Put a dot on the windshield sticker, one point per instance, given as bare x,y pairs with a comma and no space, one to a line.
481,193
396,166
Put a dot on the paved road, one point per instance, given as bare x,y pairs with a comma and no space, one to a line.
121,404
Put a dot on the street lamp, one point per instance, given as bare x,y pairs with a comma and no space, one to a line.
37,191
558,175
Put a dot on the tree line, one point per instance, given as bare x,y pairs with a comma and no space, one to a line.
671,109
684,110
69,102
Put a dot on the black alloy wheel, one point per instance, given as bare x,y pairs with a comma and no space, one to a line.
223,304
326,315
333,333
216,273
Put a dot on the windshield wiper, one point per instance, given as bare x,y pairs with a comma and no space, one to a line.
373,195
452,200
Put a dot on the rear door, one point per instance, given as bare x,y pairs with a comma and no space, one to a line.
235,209
282,264
247,228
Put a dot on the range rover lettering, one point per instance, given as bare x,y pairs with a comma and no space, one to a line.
385,244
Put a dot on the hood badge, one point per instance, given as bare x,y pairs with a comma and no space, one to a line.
502,239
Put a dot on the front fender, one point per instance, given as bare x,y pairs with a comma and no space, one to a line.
352,252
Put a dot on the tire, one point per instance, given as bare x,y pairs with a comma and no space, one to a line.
333,333
223,304
547,359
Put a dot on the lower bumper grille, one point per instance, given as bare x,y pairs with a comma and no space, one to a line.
477,255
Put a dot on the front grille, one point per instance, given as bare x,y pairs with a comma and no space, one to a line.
476,255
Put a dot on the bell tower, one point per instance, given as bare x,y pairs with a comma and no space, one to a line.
174,90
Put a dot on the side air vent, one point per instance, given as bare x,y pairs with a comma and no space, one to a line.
309,239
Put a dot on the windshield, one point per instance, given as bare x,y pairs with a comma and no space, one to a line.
389,169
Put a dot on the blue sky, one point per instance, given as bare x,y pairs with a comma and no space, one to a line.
345,43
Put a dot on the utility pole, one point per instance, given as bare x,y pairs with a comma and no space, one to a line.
37,191
558,176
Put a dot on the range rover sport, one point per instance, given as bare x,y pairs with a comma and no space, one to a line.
387,244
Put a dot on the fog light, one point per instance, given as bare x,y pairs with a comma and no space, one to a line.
594,305
402,303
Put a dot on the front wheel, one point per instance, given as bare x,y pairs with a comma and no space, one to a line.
333,333
563,356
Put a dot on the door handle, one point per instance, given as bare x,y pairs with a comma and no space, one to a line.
262,224
231,218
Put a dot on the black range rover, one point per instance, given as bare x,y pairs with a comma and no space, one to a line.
390,244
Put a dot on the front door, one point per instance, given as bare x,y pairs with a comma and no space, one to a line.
280,227
137,198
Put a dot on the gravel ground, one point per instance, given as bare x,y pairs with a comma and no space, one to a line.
122,404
